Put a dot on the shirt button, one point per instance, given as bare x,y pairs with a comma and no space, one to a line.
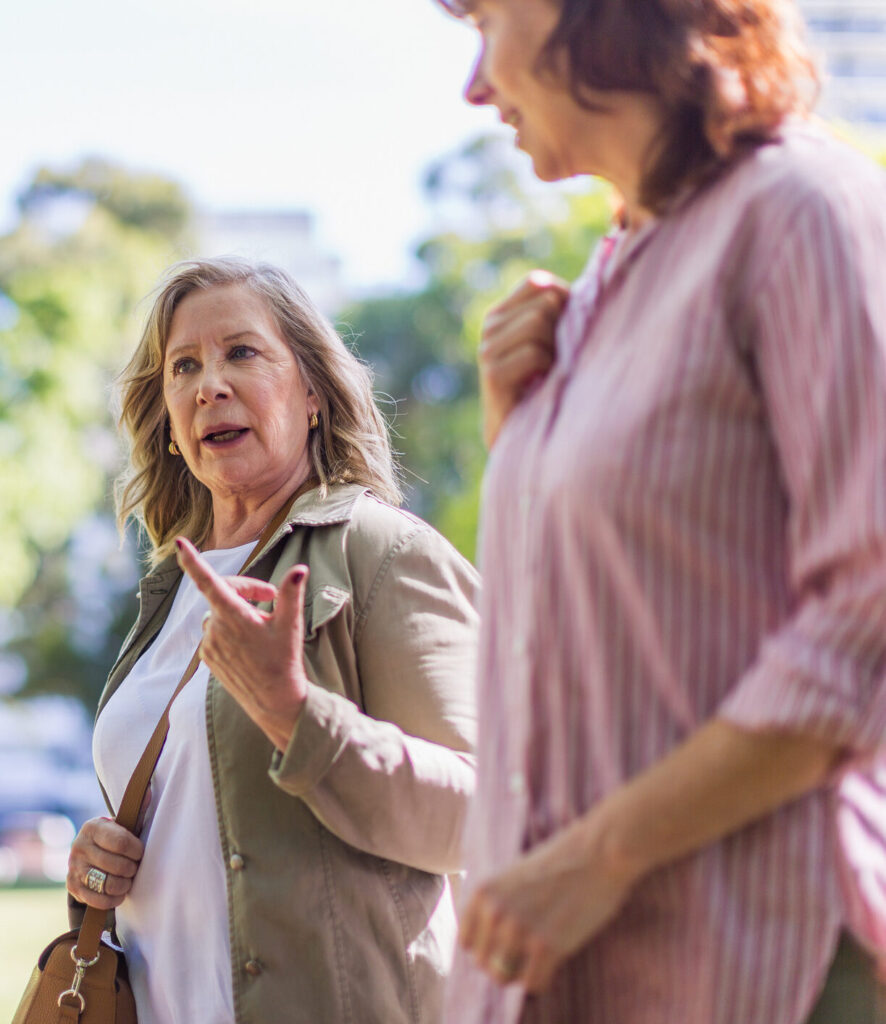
236,862
518,647
253,968
516,783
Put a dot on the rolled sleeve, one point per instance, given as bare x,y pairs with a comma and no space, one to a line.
320,735
822,674
394,777
818,343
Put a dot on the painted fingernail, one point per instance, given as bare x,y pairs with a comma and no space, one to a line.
179,543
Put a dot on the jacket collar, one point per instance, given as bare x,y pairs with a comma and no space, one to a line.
315,509
310,509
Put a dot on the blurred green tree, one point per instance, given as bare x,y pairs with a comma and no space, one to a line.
89,243
422,345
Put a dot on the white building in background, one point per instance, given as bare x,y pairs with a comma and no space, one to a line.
850,38
283,237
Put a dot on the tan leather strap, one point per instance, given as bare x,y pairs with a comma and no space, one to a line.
94,920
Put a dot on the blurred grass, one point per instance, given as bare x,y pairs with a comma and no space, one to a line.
29,920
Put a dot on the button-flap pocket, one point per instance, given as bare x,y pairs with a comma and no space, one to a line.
322,605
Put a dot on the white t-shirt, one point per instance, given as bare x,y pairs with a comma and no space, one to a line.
174,922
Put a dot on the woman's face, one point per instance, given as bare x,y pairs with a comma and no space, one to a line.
506,75
238,407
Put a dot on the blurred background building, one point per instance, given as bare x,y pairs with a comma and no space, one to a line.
286,238
850,37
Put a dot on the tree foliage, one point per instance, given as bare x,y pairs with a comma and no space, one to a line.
71,274
89,244
148,202
423,344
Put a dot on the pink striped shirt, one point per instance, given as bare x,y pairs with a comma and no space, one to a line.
687,519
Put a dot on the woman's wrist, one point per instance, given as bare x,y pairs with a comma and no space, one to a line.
278,724
609,838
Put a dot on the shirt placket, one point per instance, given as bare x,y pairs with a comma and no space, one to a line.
589,291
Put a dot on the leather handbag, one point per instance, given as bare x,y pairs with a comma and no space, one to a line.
67,987
80,978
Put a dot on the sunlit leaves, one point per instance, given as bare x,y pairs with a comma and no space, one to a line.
89,245
498,229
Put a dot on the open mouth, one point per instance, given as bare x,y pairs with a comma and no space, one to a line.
224,436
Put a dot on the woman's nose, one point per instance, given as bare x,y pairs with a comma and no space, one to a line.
477,90
212,387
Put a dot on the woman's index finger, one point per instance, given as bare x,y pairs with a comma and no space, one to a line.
220,595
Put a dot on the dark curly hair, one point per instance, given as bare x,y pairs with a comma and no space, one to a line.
728,73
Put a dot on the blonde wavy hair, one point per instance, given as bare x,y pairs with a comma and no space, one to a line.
350,445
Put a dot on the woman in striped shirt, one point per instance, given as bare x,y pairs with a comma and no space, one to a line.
680,814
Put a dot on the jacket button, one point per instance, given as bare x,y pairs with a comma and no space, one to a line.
236,862
253,967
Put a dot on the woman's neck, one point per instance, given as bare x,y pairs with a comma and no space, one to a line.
621,148
240,519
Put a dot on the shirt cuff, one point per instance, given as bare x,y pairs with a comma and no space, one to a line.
318,739
837,706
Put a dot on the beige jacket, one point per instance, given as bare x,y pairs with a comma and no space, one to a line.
337,848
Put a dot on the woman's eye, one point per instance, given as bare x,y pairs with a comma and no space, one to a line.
183,365
241,352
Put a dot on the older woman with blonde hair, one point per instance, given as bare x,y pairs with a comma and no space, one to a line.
308,803
680,813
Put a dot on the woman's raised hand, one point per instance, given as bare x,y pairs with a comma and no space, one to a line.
255,655
517,346
106,855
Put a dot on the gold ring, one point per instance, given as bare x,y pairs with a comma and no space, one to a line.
95,880
506,966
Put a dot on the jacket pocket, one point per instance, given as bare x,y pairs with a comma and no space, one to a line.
321,606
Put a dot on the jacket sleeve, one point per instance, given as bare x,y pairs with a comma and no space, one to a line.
394,778
818,339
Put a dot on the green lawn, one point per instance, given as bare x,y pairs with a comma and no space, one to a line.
29,919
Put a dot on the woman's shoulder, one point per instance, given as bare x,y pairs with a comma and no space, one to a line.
806,165
379,527
367,532
384,547
805,190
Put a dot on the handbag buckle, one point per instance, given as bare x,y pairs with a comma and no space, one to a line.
80,967
73,992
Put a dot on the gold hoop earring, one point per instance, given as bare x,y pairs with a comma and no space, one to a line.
314,421
174,448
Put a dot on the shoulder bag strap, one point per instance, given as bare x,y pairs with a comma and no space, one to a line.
94,920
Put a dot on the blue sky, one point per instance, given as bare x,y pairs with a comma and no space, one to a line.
334,105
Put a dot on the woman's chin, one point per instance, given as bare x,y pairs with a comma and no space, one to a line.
547,169
231,483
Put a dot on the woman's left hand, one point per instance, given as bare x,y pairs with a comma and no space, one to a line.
522,924
255,655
